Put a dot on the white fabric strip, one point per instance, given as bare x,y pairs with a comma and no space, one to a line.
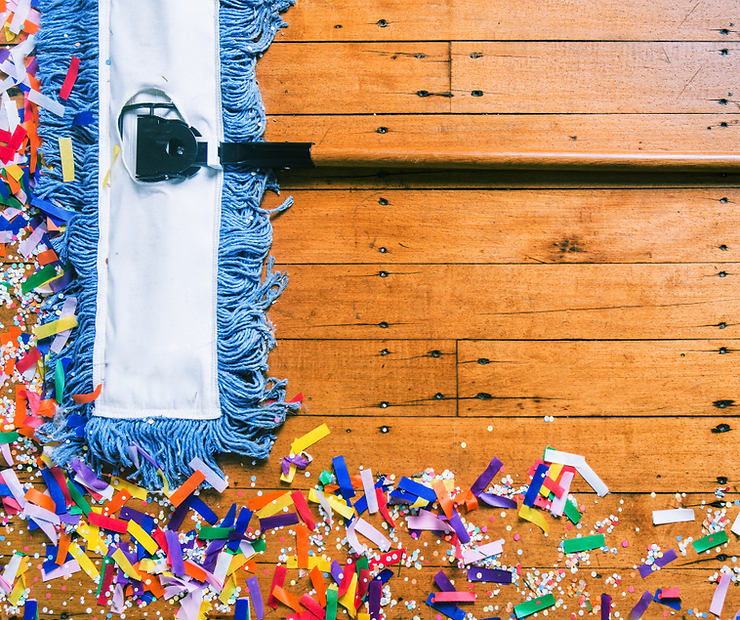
155,343
674,515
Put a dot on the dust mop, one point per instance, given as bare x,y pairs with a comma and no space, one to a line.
168,362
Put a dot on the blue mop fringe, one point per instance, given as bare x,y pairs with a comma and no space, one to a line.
252,404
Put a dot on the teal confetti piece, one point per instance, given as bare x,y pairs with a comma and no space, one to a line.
586,543
535,605
709,541
59,381
571,512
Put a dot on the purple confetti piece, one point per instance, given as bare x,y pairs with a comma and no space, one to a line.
641,606
495,575
668,557
443,582
374,592
485,478
129,514
256,595
336,571
497,501
606,607
178,515
70,519
64,281
88,476
146,455
457,525
270,523
175,552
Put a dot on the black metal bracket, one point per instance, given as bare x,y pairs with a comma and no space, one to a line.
167,148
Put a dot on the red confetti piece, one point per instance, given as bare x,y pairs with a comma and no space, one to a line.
70,79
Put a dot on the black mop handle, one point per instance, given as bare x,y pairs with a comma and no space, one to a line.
305,154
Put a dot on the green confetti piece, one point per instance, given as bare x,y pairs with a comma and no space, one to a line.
586,543
325,477
59,381
78,499
106,561
9,437
42,276
259,545
214,533
571,512
535,605
331,603
362,563
709,541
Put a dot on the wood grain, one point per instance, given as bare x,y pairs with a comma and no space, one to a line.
629,454
544,226
356,78
414,378
391,20
596,378
527,302
566,77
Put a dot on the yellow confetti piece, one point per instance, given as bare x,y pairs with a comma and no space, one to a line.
533,516
116,151
133,490
68,159
91,533
275,506
54,327
14,171
141,536
18,589
125,565
553,474
205,607
291,474
342,508
449,484
310,438
363,616
347,599
237,562
165,486
228,589
85,563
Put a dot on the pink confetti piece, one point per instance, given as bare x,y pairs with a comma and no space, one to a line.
718,600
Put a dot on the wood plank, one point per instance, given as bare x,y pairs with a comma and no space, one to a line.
544,226
355,78
675,378
391,20
511,302
554,77
631,455
517,132
415,378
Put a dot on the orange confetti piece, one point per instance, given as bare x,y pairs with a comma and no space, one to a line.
152,584
194,571
118,500
443,496
260,502
37,497
250,566
47,257
47,408
81,399
192,483
2,250
317,581
286,598
63,548
301,533
20,406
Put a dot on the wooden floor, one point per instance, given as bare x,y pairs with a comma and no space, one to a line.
436,319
